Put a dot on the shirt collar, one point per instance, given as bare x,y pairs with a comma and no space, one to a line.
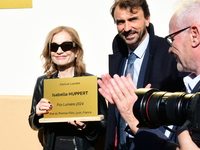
190,81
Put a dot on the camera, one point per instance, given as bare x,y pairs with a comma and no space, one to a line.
156,108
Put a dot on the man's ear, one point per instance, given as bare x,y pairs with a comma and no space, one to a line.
195,35
147,21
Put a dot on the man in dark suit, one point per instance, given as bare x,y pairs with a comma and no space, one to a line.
153,64
184,43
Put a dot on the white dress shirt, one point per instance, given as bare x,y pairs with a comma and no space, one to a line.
190,81
139,52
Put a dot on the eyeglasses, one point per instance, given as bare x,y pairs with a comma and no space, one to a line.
65,46
170,38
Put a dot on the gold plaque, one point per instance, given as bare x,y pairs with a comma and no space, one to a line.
71,97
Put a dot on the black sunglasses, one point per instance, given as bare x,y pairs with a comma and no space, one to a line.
170,39
65,46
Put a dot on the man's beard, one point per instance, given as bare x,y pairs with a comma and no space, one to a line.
128,40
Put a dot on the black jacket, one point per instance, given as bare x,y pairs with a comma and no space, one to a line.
160,71
47,131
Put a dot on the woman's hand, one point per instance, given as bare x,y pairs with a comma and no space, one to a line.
43,107
78,124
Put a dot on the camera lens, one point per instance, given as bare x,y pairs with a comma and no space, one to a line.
155,108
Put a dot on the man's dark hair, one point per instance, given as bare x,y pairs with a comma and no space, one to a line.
130,4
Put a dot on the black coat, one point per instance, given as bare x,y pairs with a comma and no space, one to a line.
161,72
83,139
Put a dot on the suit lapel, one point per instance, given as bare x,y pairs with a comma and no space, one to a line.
144,71
116,64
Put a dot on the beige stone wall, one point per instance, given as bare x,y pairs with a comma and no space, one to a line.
15,132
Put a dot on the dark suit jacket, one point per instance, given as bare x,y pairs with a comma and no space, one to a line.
160,70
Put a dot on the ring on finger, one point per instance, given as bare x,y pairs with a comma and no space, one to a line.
81,127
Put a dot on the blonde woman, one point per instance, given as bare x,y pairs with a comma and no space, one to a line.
63,55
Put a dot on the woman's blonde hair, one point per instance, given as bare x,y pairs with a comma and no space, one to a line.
50,68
